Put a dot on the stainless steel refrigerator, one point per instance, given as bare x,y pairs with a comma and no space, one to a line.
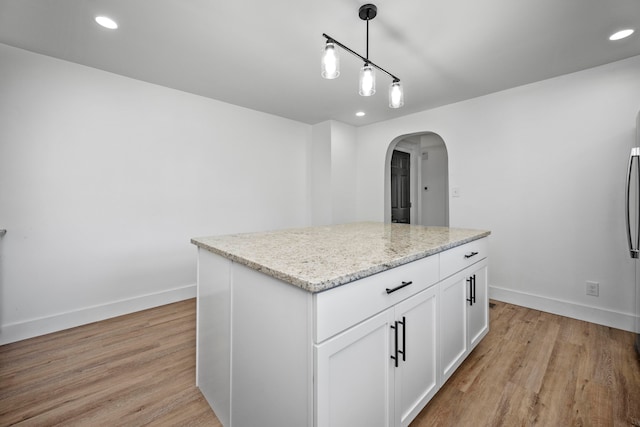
633,221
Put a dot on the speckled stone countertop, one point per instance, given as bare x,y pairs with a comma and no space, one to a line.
320,258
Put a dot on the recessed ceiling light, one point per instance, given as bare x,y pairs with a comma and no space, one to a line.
621,34
106,22
360,113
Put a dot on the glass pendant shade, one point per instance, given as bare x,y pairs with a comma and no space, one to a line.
396,94
330,61
367,80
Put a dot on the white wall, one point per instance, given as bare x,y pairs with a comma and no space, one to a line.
332,168
320,173
343,176
434,176
543,167
104,180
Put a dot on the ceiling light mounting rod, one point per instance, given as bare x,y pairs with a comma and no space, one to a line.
330,63
367,18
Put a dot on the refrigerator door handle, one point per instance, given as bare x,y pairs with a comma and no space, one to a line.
634,251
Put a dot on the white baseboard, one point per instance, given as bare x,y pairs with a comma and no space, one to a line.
600,316
44,325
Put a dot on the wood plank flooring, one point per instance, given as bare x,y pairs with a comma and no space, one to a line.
539,369
132,370
533,368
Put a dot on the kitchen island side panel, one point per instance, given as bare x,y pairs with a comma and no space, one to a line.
272,351
213,331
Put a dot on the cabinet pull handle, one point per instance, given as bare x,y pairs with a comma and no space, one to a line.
395,328
398,287
404,339
470,282
474,289
471,254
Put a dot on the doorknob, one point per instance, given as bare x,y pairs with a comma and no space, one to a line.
3,232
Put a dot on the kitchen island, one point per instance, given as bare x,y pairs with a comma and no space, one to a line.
352,324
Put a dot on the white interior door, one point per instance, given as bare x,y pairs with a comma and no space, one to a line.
435,198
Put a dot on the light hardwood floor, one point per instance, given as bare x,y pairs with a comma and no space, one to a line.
131,370
533,368
536,368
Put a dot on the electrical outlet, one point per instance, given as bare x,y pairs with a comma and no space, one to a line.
593,288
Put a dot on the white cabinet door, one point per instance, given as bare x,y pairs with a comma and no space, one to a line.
464,315
478,310
357,380
453,324
354,377
416,378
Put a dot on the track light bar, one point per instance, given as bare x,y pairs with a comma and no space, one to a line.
366,60
331,63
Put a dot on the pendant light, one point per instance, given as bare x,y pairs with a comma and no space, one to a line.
330,64
367,80
330,61
367,73
396,95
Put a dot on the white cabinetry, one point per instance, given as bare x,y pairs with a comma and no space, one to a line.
254,346
372,352
416,377
464,304
353,376
380,372
213,344
453,318
478,308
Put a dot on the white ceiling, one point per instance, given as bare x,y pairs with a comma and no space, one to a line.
266,55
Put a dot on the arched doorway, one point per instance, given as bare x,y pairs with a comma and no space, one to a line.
419,170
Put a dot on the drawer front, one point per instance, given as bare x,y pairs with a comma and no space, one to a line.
461,257
340,308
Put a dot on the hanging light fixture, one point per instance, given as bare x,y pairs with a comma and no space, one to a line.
396,95
367,73
367,80
331,63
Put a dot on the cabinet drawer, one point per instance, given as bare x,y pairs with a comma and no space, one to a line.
339,308
460,257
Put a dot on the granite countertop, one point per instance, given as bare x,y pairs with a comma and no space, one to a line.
320,258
